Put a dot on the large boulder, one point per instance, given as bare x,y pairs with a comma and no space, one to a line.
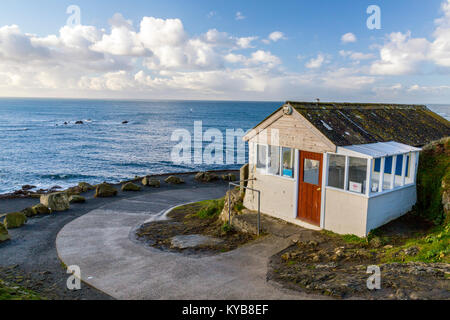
40,209
77,199
235,198
28,212
58,201
230,177
151,182
105,190
85,187
205,177
244,176
4,233
174,180
130,186
14,220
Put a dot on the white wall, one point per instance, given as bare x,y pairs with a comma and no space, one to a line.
389,206
345,213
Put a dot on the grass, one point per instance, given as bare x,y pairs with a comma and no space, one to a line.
433,247
210,209
14,292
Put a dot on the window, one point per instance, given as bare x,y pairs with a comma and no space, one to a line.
336,171
311,171
261,161
274,160
388,165
287,160
357,174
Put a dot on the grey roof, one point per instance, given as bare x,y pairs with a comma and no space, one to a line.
347,124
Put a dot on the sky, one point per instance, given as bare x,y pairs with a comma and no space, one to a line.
227,50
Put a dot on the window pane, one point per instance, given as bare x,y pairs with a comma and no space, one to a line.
357,173
336,171
288,162
274,160
311,171
261,157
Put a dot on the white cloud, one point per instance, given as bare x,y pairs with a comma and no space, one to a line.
348,38
402,54
239,16
356,56
274,37
316,63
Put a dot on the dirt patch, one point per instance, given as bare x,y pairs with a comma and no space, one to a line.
185,221
337,266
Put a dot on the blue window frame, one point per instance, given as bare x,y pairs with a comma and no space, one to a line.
388,165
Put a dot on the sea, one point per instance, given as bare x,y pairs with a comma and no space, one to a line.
41,144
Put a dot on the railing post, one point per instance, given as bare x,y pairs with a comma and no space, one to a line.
229,204
259,212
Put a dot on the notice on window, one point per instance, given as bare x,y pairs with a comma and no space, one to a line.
355,187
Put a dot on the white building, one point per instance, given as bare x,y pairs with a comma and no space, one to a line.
347,168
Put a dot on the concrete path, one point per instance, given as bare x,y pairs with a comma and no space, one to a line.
101,244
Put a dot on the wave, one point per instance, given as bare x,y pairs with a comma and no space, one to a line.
66,176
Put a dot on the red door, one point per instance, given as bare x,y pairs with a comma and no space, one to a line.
310,187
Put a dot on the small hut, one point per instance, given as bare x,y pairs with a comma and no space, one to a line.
344,167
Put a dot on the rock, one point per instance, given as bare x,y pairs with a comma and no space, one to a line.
58,201
286,256
413,251
40,209
14,220
388,247
174,180
125,122
205,177
73,191
28,187
244,176
376,242
229,177
28,212
4,235
193,241
79,122
400,294
85,187
130,186
150,182
313,243
77,199
105,190
235,197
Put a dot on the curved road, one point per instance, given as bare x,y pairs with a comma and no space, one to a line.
100,244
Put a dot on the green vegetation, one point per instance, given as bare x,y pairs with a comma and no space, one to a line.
434,169
433,247
14,292
211,208
227,228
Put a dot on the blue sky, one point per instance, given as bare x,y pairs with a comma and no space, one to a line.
222,50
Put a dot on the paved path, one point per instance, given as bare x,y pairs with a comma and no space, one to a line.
100,243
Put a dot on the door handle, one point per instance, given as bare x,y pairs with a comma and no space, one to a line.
319,189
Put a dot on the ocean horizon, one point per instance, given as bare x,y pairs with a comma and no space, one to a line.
42,145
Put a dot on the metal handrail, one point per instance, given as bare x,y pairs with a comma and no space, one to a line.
247,188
